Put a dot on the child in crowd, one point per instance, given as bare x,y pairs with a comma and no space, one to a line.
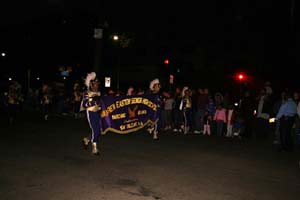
211,107
238,126
220,118
206,123
167,111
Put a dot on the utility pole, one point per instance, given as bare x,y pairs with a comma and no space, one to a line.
292,12
28,80
99,36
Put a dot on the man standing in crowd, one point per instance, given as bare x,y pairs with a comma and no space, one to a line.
247,113
201,102
264,109
286,116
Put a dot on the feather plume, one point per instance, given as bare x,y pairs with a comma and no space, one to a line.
153,82
183,90
89,77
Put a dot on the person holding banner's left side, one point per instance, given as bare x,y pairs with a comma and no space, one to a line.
91,103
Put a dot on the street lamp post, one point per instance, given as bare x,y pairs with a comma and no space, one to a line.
122,42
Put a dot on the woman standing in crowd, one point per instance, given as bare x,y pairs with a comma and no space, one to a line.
77,98
46,101
186,108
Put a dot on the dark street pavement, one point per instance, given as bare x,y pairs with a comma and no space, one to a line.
44,160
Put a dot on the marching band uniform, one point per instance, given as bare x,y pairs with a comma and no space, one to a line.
155,89
90,102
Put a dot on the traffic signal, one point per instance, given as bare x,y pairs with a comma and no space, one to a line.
241,76
171,79
166,61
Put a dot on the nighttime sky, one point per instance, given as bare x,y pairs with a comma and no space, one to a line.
225,33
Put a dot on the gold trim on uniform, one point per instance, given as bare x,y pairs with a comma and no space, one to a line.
188,103
95,108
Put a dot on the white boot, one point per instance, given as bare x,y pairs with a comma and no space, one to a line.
155,137
182,129
95,150
186,130
150,130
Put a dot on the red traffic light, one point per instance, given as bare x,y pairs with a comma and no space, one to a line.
241,76
166,61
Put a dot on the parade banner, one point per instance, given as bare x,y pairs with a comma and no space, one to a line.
126,114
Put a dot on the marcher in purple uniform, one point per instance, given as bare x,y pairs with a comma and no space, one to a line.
91,102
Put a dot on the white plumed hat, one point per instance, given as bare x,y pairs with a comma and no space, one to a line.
183,90
90,76
153,82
